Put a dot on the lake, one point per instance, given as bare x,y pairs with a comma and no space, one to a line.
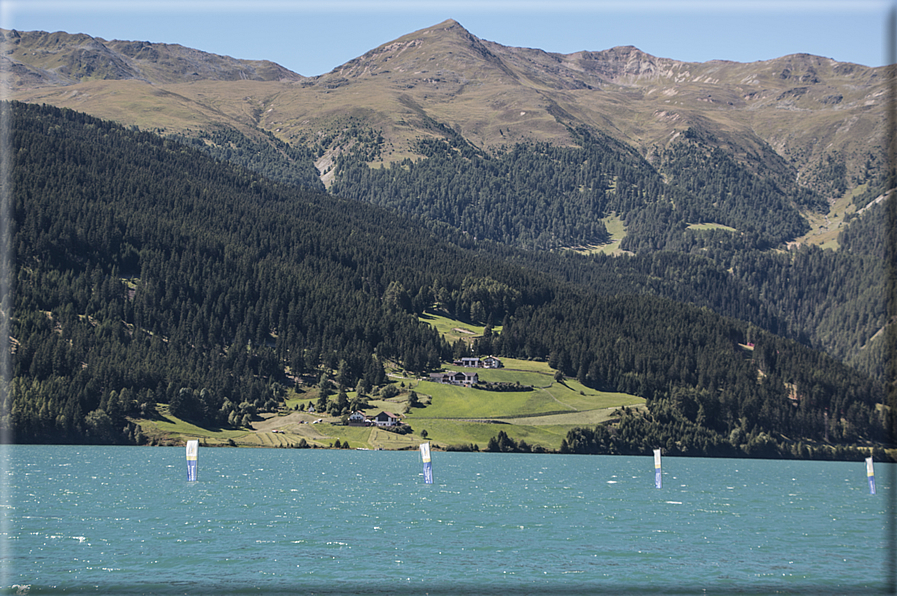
107,520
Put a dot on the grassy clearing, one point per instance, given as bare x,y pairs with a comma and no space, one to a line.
523,377
825,227
448,401
586,418
617,230
710,226
457,402
452,329
444,433
580,397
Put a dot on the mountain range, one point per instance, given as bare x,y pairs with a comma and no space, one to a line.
814,119
639,193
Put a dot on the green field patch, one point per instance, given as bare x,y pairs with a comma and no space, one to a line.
453,329
522,377
568,420
710,226
546,396
394,405
168,428
577,396
526,365
449,401
444,433
617,231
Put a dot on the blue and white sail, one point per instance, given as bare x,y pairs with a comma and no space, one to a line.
657,480
428,466
192,452
870,472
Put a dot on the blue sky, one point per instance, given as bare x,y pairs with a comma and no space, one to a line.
312,38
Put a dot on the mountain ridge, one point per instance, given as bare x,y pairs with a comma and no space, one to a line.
64,58
805,108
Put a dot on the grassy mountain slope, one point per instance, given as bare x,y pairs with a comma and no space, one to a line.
805,109
49,59
796,123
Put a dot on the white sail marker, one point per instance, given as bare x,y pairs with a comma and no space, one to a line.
871,474
192,451
428,469
657,481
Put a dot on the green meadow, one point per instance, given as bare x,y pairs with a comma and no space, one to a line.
535,407
710,226
617,231
454,330
165,428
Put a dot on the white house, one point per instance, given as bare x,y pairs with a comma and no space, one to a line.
487,362
357,419
385,419
455,378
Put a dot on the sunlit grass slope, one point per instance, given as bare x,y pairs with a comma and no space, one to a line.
535,407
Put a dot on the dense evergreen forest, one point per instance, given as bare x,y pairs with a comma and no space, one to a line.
532,195
539,196
544,197
147,272
271,157
760,203
829,300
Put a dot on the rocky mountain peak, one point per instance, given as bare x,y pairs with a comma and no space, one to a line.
624,64
446,51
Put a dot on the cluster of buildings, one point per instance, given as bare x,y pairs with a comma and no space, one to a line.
383,419
487,362
463,378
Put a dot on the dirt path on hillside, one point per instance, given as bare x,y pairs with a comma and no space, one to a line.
548,391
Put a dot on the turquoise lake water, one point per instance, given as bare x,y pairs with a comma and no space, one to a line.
112,520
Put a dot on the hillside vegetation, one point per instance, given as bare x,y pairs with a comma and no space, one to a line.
148,274
727,164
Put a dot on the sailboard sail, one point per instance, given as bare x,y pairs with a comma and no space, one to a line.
428,466
870,472
192,451
657,480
